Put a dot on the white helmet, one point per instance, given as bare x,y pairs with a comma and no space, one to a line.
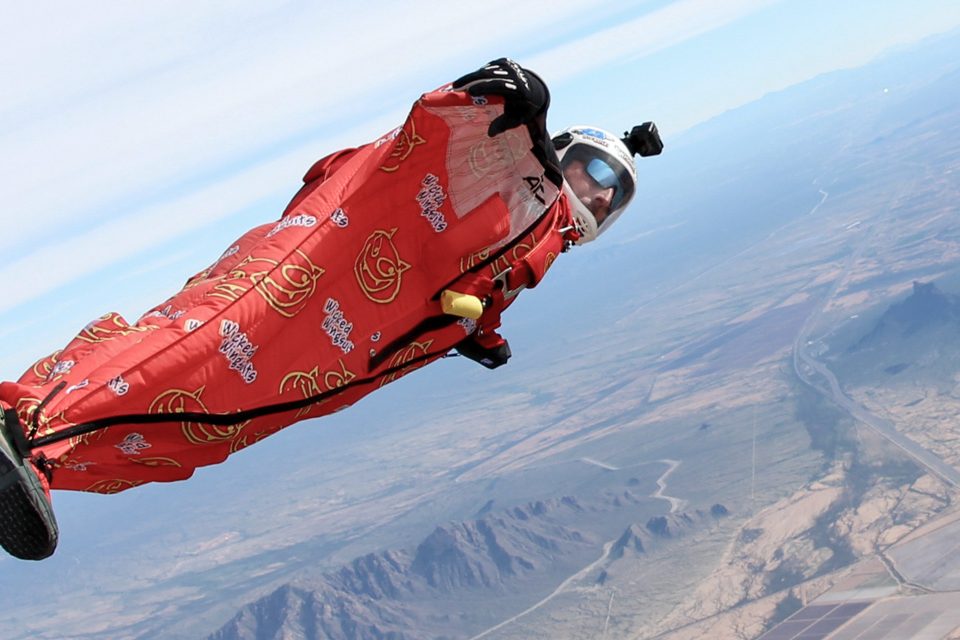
595,161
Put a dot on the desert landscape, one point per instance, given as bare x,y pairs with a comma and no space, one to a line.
743,426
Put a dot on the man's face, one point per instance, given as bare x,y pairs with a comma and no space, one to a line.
597,198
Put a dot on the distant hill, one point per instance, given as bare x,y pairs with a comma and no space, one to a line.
460,579
918,337
926,309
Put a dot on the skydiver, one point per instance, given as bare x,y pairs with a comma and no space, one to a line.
477,189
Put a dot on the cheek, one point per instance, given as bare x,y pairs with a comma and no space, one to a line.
578,182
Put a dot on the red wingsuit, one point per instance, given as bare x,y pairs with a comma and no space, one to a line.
303,316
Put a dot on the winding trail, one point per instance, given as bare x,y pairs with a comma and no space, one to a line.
676,504
579,574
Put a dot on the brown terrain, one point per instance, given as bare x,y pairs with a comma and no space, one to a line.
724,486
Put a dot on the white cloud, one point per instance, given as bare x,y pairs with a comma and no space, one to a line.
107,108
117,110
84,253
642,36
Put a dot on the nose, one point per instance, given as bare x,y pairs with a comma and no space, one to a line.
600,203
603,197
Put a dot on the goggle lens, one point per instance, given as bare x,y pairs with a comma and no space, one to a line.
605,176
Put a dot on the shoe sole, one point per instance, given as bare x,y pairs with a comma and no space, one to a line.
28,529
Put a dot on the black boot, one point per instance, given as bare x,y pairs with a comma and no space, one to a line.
28,529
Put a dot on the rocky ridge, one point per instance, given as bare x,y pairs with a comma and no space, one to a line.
461,579
924,308
797,549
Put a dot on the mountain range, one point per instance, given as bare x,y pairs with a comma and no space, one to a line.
433,590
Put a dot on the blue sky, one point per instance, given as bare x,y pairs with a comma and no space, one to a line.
137,140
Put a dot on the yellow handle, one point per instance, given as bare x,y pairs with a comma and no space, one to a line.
463,305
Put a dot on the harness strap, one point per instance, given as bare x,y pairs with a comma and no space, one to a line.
497,290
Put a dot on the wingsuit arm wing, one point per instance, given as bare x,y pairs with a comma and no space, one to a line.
321,170
328,165
526,100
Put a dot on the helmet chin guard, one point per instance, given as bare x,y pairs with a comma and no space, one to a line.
594,160
582,217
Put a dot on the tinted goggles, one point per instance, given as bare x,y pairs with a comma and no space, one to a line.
608,178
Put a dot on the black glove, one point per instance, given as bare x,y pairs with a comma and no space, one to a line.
524,93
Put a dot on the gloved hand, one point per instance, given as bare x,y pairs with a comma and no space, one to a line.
524,93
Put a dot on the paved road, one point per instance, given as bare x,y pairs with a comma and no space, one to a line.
884,427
